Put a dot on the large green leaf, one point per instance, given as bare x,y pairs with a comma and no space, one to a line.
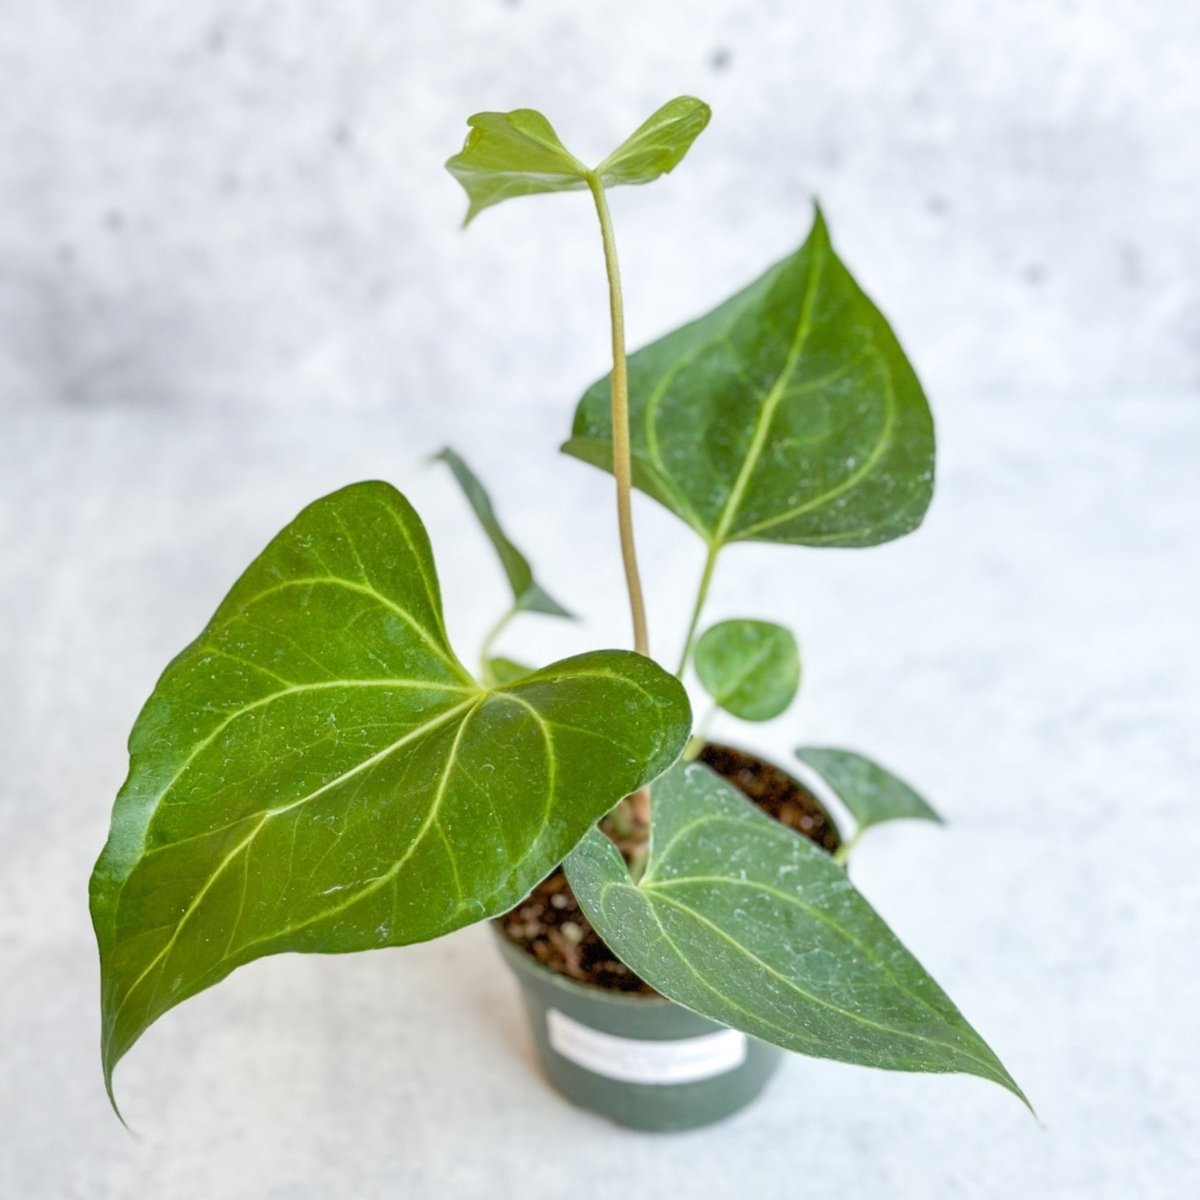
750,668
871,793
788,414
528,594
749,923
318,772
518,154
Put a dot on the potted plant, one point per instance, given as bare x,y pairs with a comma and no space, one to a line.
319,772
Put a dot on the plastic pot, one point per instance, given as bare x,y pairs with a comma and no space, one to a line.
641,1061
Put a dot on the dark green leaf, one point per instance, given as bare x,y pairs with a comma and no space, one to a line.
513,154
658,144
318,772
750,668
748,923
788,414
528,594
871,793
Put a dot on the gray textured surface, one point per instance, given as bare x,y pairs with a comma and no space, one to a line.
215,199
230,280
1029,658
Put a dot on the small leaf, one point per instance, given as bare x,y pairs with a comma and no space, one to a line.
658,145
871,793
513,154
528,594
507,670
750,668
318,772
519,154
787,414
750,924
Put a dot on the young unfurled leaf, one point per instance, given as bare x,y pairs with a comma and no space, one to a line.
513,154
528,594
750,924
519,154
750,668
658,145
507,670
871,793
318,772
787,414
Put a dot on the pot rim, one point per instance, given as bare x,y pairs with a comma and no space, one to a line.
521,959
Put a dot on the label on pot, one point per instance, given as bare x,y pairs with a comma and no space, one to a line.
640,1060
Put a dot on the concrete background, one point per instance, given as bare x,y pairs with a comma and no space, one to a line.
231,280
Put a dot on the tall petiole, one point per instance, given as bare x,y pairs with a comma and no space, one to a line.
637,806
622,458
689,641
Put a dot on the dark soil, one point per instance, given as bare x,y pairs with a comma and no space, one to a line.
550,926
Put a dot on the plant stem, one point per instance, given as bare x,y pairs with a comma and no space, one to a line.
699,738
637,805
622,467
710,562
485,651
842,854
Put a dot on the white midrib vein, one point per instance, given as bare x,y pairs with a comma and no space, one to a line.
790,983
771,403
853,479
651,881
365,764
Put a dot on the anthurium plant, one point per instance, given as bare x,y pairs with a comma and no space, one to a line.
319,770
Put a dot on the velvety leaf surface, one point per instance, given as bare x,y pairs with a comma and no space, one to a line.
528,594
750,668
788,414
513,154
871,793
318,772
658,144
750,924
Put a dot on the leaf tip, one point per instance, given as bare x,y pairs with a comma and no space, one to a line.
109,1065
820,226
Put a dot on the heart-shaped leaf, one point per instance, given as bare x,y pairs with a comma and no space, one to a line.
513,154
658,145
519,154
528,594
318,772
788,414
750,924
750,668
871,793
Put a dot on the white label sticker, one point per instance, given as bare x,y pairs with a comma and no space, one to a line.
639,1060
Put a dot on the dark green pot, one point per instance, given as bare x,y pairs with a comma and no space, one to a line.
641,1061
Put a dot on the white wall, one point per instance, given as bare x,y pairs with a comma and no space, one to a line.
244,203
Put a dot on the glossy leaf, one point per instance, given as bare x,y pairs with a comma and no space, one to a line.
528,594
318,772
519,154
870,793
750,668
787,414
658,145
750,924
513,154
